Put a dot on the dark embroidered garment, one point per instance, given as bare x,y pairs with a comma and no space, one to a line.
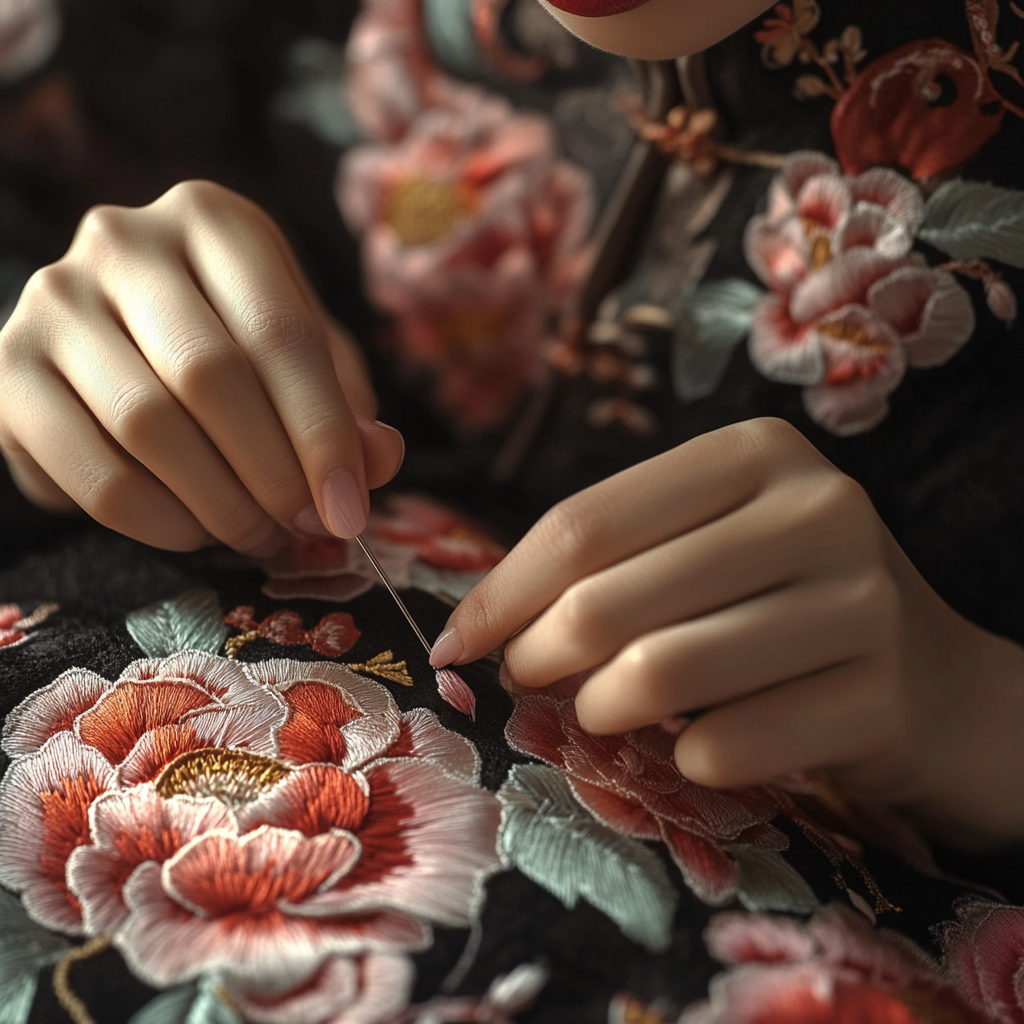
236,792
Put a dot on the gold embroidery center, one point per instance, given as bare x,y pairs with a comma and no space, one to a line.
235,777
841,330
421,211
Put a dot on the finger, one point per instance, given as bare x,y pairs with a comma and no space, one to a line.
80,457
644,506
136,410
285,341
193,355
845,714
726,561
778,636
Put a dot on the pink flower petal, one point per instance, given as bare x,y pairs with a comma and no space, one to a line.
798,169
874,228
51,709
44,815
898,196
709,871
128,829
778,252
929,308
428,843
453,690
780,347
423,736
823,202
843,280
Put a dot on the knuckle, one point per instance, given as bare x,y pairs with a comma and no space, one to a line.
581,612
103,491
136,413
196,364
103,227
196,194
573,530
641,665
768,437
280,326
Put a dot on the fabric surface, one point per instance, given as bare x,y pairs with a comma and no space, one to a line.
237,792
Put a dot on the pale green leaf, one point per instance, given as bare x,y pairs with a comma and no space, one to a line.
716,317
25,948
970,221
193,621
171,1007
768,882
558,844
194,1003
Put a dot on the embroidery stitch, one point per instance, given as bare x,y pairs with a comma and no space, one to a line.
69,1000
332,636
386,667
267,770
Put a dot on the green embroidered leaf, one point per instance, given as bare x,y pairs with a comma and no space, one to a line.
168,1008
716,317
768,882
25,948
189,1004
192,621
972,221
558,844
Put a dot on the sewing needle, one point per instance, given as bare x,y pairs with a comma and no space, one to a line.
394,593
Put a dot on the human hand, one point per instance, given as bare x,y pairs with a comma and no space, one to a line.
742,575
175,375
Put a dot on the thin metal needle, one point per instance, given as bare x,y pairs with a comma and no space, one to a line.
394,593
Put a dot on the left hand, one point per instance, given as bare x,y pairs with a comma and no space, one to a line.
743,575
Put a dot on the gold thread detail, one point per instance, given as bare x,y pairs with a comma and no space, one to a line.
234,644
385,666
421,211
66,995
234,777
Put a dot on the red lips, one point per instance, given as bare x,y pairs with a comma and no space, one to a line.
596,8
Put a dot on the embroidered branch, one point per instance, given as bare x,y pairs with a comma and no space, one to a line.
384,666
66,996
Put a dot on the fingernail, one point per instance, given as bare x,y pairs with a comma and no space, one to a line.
447,647
308,521
343,505
401,437
506,680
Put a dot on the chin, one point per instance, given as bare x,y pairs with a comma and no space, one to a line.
653,29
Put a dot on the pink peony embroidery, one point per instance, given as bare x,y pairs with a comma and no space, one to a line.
835,967
850,307
473,236
419,542
631,783
269,821
984,955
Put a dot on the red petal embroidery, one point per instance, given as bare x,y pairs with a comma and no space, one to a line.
316,713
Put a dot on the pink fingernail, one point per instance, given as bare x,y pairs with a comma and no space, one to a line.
308,521
343,505
401,437
447,647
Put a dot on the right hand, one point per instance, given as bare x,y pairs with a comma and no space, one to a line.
175,376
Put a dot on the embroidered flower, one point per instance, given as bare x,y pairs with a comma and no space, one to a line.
15,624
984,955
332,636
835,967
257,820
29,31
473,236
631,783
926,108
783,35
850,306
420,543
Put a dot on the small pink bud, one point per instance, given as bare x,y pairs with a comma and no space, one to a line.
453,690
1001,300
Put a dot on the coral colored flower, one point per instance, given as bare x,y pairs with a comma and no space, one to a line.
833,969
473,237
256,820
332,636
631,783
29,31
925,108
984,955
419,542
850,307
